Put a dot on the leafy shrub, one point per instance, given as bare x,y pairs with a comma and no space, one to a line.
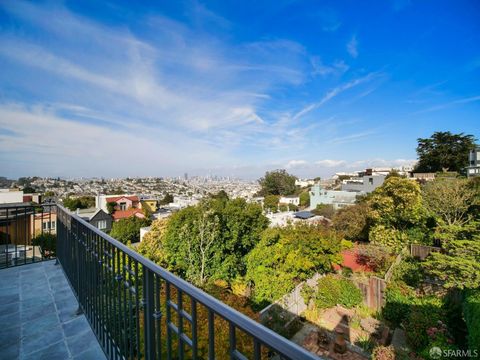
471,310
292,207
47,243
326,210
333,290
383,353
365,343
347,272
425,315
387,236
375,257
307,293
399,299
409,271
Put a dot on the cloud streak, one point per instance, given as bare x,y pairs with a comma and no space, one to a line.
352,47
448,104
332,93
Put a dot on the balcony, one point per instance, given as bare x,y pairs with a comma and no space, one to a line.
134,308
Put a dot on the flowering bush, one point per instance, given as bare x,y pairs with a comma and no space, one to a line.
425,316
383,353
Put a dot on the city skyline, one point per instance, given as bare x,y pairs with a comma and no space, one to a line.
116,90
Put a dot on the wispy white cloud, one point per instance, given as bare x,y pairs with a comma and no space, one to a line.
293,164
161,94
448,104
352,137
338,67
331,163
64,146
334,92
352,46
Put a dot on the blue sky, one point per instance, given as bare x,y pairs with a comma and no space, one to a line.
114,89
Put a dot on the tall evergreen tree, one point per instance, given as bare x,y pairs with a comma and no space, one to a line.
444,151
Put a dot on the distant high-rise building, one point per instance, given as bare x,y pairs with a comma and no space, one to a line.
185,176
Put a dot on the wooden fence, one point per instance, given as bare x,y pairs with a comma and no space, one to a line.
422,251
373,289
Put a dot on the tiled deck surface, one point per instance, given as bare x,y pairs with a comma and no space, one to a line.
37,316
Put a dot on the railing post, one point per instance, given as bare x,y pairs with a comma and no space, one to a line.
57,233
79,310
148,312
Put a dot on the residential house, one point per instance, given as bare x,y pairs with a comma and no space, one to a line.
338,199
44,222
150,205
9,196
97,217
123,214
423,176
365,184
15,222
304,182
473,168
122,202
290,199
180,202
36,198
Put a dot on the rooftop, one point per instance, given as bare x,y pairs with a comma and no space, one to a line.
35,300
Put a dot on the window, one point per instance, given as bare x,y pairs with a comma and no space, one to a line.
102,224
123,206
53,224
45,225
370,180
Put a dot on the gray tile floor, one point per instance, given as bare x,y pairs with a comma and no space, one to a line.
37,316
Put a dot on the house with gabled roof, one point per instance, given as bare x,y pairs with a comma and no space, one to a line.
97,217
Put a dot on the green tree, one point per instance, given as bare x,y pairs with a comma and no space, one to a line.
397,204
305,199
152,244
351,222
286,256
221,195
128,230
270,203
47,243
211,239
82,202
326,210
277,182
444,151
28,190
459,266
450,200
394,209
167,199
111,206
292,207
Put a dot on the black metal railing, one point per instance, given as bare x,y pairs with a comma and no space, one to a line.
138,310
27,233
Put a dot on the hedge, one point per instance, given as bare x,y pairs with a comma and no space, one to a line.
471,311
332,290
